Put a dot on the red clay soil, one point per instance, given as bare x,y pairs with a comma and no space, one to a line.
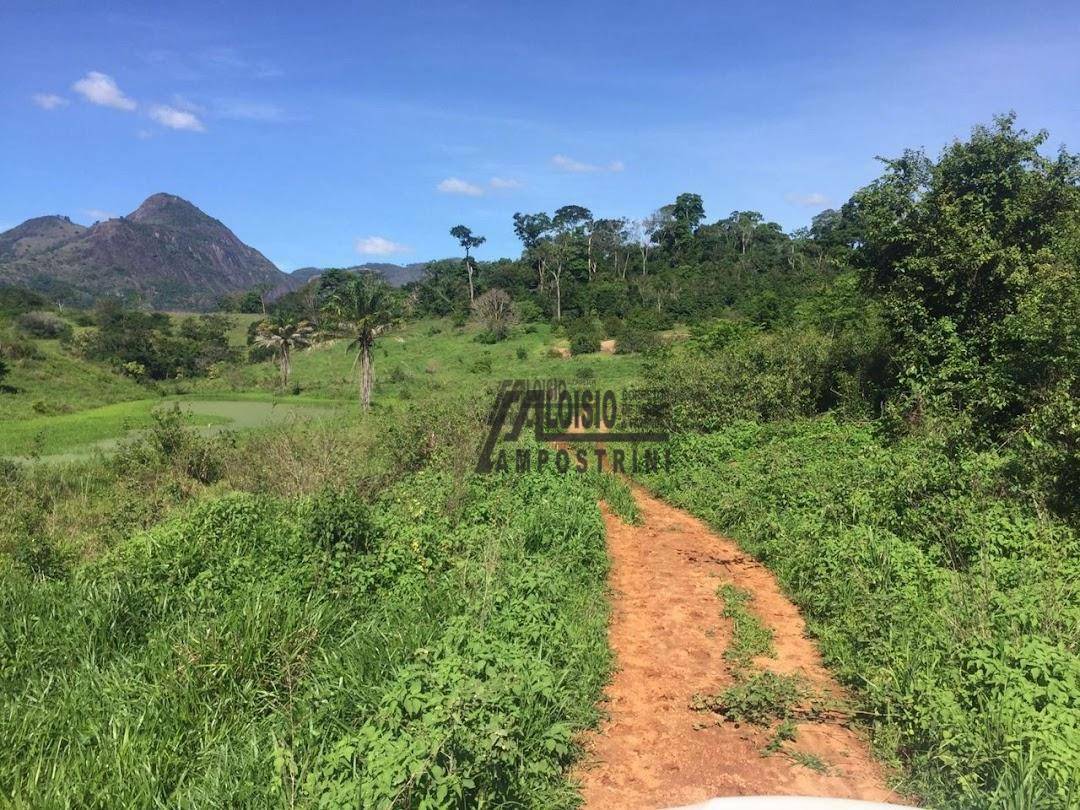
669,638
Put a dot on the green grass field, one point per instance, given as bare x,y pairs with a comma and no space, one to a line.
89,408
56,382
75,436
425,357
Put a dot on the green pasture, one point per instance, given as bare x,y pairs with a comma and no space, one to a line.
75,436
62,408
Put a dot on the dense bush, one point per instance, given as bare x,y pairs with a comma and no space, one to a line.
952,611
975,260
44,325
150,339
585,335
630,339
170,443
16,346
18,300
767,376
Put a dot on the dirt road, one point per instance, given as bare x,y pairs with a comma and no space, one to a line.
669,639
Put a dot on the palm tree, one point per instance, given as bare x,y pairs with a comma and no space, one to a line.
365,304
281,337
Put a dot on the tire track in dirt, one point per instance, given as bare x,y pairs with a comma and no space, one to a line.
669,639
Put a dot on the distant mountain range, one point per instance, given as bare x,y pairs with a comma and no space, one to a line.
397,275
166,254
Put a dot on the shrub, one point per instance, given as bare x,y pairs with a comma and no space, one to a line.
341,522
770,376
528,311
613,326
584,343
482,364
17,347
495,311
584,334
170,443
584,373
648,319
44,325
631,340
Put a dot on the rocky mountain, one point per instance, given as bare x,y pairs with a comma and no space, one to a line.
39,233
167,254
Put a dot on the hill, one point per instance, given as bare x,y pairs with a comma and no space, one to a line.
167,253
37,234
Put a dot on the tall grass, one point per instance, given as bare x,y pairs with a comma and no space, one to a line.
441,642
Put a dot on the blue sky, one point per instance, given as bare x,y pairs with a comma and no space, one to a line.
345,132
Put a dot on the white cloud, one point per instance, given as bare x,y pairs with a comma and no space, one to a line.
98,214
379,246
454,185
176,119
504,183
568,164
98,88
49,101
814,199
571,165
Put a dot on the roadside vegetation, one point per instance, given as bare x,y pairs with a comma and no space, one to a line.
902,454
331,608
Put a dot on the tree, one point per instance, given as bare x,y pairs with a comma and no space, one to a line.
441,290
645,231
744,224
570,223
365,305
468,241
571,219
609,236
532,230
974,257
3,371
686,214
576,221
495,310
282,337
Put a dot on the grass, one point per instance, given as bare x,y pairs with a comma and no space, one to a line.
750,638
616,493
57,383
428,357
759,698
261,649
79,435
423,361
809,761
